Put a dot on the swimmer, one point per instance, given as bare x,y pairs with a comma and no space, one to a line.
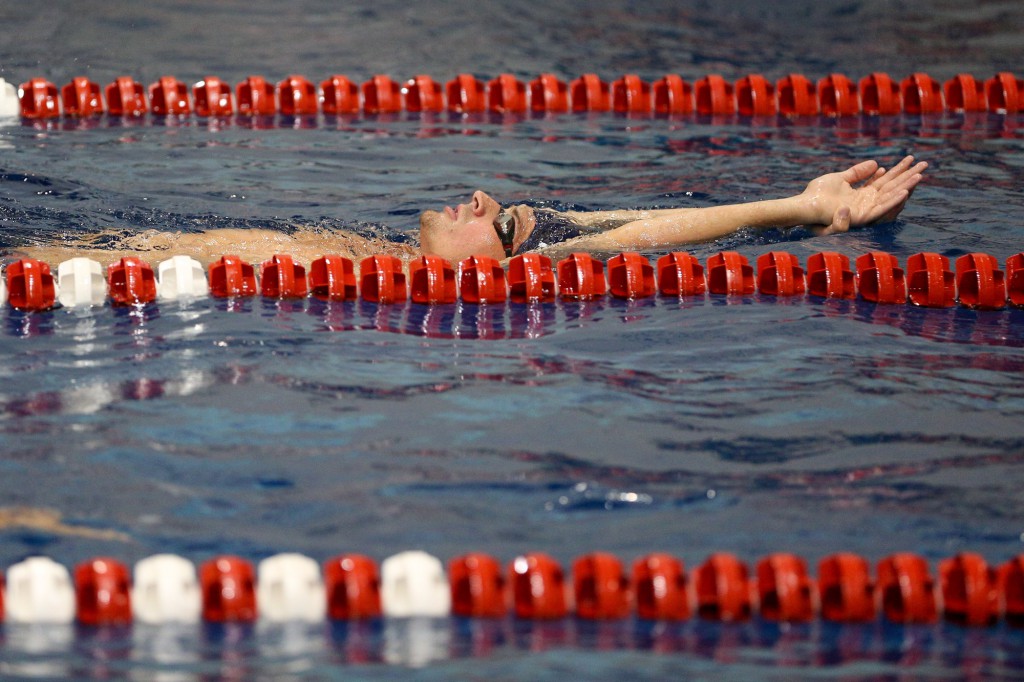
860,195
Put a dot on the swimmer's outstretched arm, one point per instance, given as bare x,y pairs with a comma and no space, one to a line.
860,195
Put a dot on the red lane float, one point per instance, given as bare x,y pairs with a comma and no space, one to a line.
530,278
38,99
131,281
672,96
482,280
589,93
713,95
1015,279
930,282
829,276
784,589
880,279
382,279
231,276
964,94
755,96
749,96
423,93
907,589
126,97
581,277
103,592
723,589
631,95
730,273
81,98
466,94
432,281
921,94
1004,93
797,96
630,276
548,94
978,282
256,97
680,274
506,94
477,586
837,96
381,95
169,97
296,96
352,586
340,96
879,95
332,278
845,589
779,274
538,587
969,591
228,585
30,285
601,587
281,277
212,97
660,588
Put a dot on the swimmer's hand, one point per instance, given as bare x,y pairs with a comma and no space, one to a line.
860,195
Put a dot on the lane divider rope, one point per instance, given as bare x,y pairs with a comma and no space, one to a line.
293,587
976,280
295,96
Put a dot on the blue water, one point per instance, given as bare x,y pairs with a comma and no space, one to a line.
747,425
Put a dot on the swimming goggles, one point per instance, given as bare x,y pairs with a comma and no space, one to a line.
505,226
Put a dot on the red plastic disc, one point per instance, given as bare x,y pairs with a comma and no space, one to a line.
282,277
530,278
81,97
581,277
478,587
332,278
538,587
730,273
907,589
229,590
130,281
231,276
353,587
845,589
103,592
723,589
630,275
659,586
930,282
381,279
601,587
432,281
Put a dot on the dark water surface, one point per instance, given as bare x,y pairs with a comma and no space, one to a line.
748,425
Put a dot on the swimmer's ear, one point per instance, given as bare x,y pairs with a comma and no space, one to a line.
840,223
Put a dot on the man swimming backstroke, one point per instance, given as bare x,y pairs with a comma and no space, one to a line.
861,195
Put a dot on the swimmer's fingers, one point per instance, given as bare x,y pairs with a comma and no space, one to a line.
860,172
899,175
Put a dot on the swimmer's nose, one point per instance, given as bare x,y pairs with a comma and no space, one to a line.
482,202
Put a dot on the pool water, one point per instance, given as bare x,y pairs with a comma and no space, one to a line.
745,424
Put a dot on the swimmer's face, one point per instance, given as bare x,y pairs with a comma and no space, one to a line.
468,229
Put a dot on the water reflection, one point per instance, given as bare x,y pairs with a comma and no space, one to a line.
177,652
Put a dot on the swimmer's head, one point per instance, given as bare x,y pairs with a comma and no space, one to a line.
469,229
